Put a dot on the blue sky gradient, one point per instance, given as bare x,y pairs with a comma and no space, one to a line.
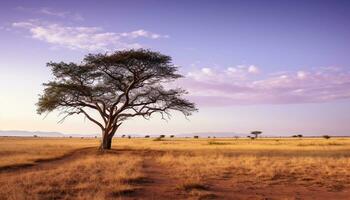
277,66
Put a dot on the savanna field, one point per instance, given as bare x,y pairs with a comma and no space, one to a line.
175,168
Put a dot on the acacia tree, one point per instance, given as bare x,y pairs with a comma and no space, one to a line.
116,87
256,133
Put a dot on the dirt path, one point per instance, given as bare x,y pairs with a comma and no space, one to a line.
156,184
160,183
41,164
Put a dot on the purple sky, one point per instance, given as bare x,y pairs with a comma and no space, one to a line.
282,67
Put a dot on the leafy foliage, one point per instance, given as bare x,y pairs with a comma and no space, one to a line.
117,86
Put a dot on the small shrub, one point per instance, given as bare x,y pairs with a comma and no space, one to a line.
129,136
297,136
252,138
326,137
35,136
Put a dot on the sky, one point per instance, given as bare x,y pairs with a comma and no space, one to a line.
282,67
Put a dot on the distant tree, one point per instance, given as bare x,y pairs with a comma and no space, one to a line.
196,136
129,136
123,136
326,137
162,136
294,136
117,87
147,136
256,133
172,136
299,136
35,136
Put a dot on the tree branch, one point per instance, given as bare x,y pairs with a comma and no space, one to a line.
91,119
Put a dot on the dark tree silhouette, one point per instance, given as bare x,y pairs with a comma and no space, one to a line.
256,133
116,87
326,137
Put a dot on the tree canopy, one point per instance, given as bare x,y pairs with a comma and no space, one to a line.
256,133
117,86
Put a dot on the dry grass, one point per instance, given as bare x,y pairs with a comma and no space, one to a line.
22,150
309,162
91,177
197,165
198,168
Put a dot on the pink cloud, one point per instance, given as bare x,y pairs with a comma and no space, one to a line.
237,86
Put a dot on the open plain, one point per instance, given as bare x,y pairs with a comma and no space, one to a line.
176,168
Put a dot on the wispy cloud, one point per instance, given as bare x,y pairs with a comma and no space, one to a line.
48,11
61,14
241,85
53,12
143,33
81,37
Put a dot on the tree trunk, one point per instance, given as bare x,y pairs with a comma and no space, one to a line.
107,136
106,142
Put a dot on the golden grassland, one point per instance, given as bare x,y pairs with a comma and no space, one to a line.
309,161
90,177
197,165
26,150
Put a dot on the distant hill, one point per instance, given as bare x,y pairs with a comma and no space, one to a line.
18,133
30,133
